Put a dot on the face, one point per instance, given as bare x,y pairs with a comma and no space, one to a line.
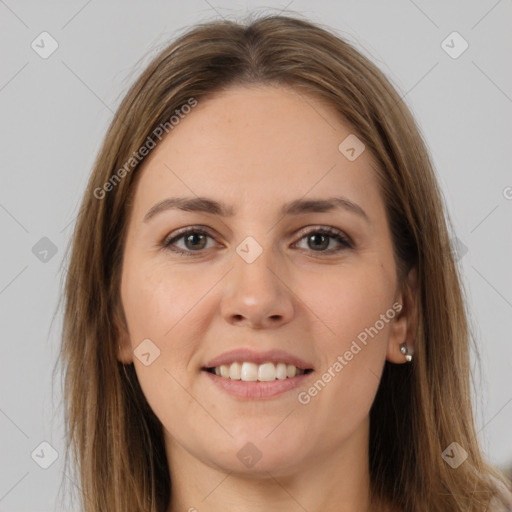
311,289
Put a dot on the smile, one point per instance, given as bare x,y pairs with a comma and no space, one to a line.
252,372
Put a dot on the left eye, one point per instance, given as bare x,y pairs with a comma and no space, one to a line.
322,237
318,240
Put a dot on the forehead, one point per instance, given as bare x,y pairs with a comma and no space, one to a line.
259,144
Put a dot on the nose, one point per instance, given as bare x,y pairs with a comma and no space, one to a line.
257,294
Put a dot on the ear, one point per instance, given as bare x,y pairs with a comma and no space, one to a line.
404,324
124,346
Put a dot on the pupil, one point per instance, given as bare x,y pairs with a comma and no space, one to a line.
192,237
323,246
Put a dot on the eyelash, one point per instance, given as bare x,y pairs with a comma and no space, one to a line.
327,231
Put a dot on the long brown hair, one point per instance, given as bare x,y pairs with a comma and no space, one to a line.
420,409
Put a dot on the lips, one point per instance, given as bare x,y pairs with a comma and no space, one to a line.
258,358
248,374
251,366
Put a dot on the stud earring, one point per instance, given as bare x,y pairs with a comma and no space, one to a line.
403,350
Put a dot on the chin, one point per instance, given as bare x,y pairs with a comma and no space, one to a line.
270,464
259,451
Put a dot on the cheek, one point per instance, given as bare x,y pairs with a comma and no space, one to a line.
159,306
345,301
157,298
353,309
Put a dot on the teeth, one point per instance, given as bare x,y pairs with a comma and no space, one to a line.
251,372
235,371
281,371
224,371
266,372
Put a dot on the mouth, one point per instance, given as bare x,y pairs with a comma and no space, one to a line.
249,374
247,371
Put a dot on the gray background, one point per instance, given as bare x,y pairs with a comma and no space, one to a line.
55,112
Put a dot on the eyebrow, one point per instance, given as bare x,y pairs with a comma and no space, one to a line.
296,207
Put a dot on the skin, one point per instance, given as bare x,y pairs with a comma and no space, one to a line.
256,148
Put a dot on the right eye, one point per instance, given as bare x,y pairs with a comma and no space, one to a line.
195,239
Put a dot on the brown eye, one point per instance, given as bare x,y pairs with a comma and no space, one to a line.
318,240
194,240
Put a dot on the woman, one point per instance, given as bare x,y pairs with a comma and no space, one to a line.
262,307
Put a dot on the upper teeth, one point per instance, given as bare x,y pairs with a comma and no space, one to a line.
252,372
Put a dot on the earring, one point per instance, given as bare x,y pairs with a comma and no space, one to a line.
403,350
